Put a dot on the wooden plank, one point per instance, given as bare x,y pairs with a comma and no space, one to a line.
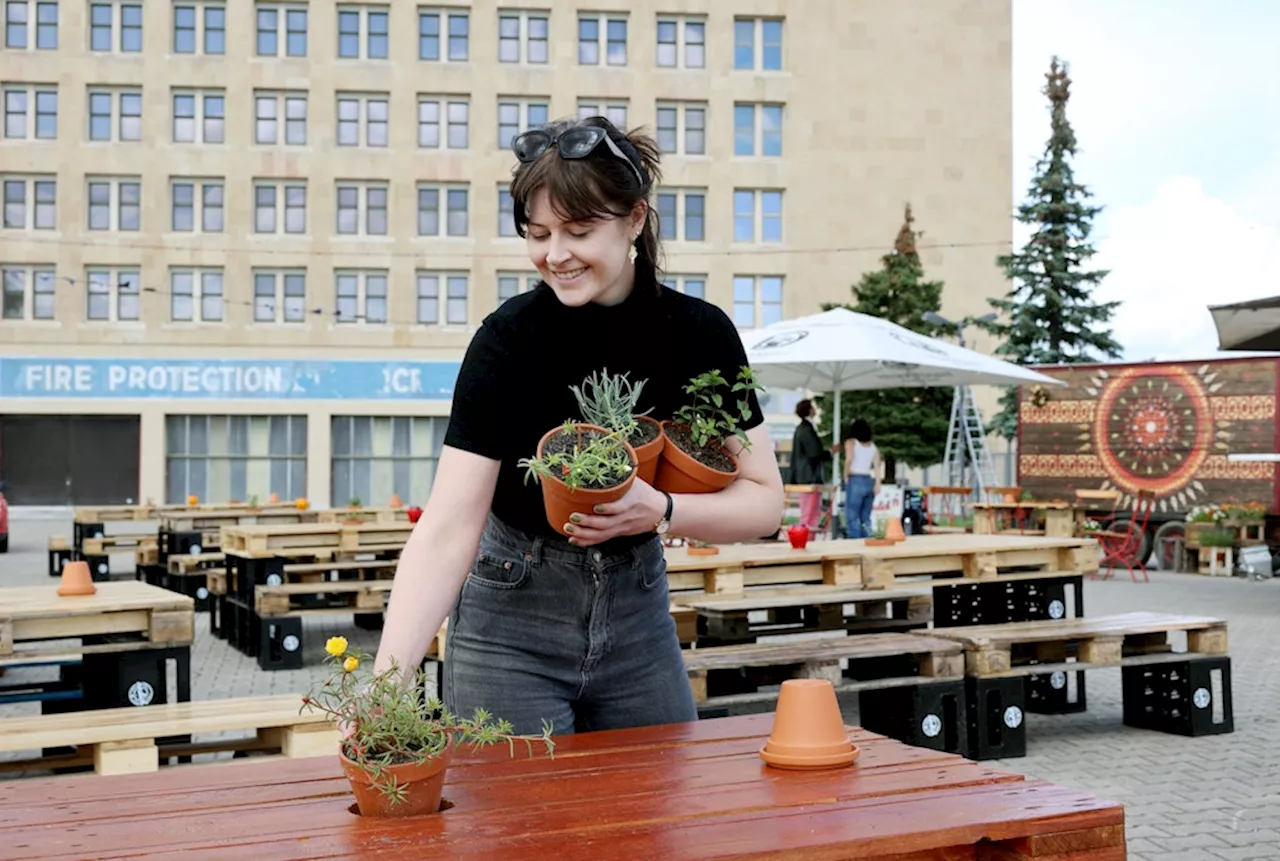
359,595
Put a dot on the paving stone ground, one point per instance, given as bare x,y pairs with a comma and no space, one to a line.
1214,797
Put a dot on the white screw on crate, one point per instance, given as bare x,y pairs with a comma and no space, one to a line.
1013,717
931,725
290,643
141,693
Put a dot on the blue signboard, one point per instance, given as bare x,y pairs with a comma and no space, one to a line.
226,379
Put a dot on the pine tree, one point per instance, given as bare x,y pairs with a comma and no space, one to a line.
1049,315
909,424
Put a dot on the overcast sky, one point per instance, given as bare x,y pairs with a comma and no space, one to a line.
1177,114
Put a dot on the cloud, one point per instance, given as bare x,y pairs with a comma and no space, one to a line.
1172,257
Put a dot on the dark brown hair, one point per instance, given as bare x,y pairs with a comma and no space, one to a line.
804,409
598,186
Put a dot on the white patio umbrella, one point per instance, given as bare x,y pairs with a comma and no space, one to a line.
1248,326
842,349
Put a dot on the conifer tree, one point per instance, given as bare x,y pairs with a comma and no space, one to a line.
1050,314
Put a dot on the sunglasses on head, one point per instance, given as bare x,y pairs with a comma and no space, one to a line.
577,142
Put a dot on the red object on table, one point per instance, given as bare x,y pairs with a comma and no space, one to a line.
683,791
414,513
798,535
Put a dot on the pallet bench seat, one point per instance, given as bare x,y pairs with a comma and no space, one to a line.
131,740
909,659
806,609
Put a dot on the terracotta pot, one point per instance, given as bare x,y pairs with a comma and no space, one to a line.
679,472
703,551
1011,497
561,502
395,501
648,454
422,783
77,579
808,729
273,498
893,530
798,535
879,542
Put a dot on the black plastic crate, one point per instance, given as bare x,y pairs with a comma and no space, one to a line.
1191,697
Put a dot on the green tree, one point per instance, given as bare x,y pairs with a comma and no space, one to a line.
1049,316
909,424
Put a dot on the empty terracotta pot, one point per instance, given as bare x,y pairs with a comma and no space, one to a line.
647,455
893,530
808,729
77,579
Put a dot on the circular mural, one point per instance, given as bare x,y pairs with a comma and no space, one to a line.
1153,428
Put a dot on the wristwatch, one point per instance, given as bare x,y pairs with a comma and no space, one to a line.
664,524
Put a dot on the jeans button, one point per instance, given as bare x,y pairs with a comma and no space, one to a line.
596,555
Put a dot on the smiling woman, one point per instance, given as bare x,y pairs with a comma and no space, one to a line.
570,622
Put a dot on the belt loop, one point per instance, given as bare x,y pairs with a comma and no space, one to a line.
535,550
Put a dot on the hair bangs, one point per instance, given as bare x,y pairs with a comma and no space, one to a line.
573,188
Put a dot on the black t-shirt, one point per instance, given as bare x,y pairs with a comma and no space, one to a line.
515,377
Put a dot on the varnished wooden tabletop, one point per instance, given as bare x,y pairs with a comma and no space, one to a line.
686,791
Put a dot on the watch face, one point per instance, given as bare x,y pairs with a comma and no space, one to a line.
663,527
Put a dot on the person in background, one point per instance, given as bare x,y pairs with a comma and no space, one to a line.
862,480
808,459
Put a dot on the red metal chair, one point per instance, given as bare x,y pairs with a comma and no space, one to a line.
1121,548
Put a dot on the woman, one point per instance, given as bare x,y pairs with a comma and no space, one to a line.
808,457
576,632
862,480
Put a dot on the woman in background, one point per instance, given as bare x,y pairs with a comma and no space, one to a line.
862,480
808,457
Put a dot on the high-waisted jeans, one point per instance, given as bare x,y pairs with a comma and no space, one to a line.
579,636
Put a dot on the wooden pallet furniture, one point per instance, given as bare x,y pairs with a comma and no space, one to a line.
849,663
806,609
677,792
314,538
132,740
1060,518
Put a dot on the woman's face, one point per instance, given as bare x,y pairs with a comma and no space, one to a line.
582,262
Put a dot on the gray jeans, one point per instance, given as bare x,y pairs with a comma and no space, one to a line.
579,636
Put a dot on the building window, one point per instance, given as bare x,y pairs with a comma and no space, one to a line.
377,457
362,32
279,296
506,212
682,128
199,116
690,285
28,292
757,129
270,17
362,208
682,214
614,111
268,108
757,215
442,298
104,104
113,294
197,202
235,457
115,204
19,22
31,112
757,44
757,300
106,17
195,295
517,115
30,203
361,296
682,43
443,204
511,284
430,22
602,36
369,111
456,114
522,36
270,197
202,24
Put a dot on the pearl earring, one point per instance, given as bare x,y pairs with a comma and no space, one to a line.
633,252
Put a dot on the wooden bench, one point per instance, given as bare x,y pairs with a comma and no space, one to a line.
131,740
911,659
807,609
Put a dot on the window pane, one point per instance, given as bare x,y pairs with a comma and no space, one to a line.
744,42
744,130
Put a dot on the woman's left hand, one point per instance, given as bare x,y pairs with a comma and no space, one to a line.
635,513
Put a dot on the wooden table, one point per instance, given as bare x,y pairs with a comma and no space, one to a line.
685,791
1060,518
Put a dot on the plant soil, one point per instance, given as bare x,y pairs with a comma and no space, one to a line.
712,457
645,433
564,442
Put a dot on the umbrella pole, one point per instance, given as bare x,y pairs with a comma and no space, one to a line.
837,491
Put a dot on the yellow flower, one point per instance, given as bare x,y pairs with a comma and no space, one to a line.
336,646
350,664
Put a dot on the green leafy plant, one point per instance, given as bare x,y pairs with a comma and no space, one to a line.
393,723
878,529
610,401
599,463
354,502
705,415
253,500
1218,537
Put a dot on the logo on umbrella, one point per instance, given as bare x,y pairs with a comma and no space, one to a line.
784,339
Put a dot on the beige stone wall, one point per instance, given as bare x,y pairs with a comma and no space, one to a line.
884,103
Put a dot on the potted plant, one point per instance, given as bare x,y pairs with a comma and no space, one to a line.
701,548
353,504
400,742
610,402
876,533
694,458
579,467
253,502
